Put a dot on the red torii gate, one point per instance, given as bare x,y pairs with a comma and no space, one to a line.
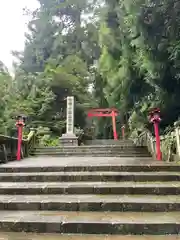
106,112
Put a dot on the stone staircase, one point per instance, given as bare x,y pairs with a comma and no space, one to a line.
97,148
88,195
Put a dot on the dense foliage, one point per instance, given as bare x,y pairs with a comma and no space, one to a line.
111,53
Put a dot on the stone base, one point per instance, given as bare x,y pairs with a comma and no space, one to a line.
69,140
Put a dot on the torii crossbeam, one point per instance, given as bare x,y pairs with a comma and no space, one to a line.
106,112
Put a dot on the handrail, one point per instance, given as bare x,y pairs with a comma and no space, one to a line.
167,143
147,140
8,146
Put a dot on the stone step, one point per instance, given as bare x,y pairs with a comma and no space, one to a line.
95,154
92,148
48,236
90,222
89,176
101,203
123,146
108,142
99,150
142,166
153,188
118,152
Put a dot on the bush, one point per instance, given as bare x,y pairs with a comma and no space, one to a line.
46,138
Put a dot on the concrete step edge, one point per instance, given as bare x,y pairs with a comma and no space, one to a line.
90,198
47,236
90,223
89,173
98,168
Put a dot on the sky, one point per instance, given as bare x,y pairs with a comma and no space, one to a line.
13,25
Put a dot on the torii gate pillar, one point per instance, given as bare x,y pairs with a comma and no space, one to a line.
114,126
106,112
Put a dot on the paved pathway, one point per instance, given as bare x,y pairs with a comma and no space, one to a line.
45,161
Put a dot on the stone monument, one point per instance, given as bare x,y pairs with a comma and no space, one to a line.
69,138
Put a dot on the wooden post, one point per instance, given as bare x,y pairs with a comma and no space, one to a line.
123,132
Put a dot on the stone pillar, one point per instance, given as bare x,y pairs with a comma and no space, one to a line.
69,138
70,116
177,132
